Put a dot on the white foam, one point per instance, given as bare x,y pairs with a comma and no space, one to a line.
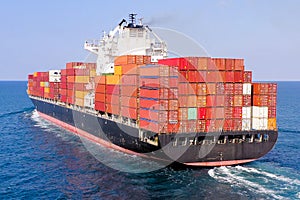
230,175
270,175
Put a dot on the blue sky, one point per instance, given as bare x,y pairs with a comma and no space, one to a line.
41,35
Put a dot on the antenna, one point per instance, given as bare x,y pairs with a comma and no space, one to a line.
132,19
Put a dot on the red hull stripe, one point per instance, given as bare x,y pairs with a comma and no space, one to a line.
104,143
90,137
219,163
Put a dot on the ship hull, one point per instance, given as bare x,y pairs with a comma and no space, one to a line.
185,149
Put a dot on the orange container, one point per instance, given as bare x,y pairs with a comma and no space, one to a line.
272,124
129,102
100,80
215,113
70,93
129,90
211,88
129,80
154,104
129,112
100,88
130,69
70,79
126,59
239,64
201,101
113,109
202,63
100,97
154,115
238,100
247,77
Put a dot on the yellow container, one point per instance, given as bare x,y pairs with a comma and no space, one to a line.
42,84
113,79
92,73
47,90
82,79
118,70
79,102
272,124
80,94
35,74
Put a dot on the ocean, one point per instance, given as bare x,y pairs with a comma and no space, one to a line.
39,160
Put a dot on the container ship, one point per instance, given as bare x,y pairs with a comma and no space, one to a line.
196,111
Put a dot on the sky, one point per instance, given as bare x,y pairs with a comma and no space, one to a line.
39,35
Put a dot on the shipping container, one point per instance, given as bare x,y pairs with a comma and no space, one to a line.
125,59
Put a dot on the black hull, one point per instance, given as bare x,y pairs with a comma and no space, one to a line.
189,148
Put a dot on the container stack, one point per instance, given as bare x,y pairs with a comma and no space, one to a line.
175,95
264,106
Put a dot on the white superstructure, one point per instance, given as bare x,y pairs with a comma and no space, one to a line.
126,39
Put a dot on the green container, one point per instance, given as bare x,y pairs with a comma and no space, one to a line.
192,113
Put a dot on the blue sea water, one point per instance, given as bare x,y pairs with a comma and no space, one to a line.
39,160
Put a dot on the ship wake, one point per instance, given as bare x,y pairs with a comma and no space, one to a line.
252,180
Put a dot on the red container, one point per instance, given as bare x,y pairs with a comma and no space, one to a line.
80,86
130,102
129,112
229,64
154,115
63,79
228,125
129,80
202,113
229,76
272,88
237,112
238,64
272,100
100,106
196,77
63,98
112,89
260,88
70,100
173,128
219,63
157,82
210,100
201,125
183,76
71,65
238,88
238,76
112,99
229,88
228,112
160,93
220,100
247,77
220,88
173,116
187,88
154,104
63,85
247,100
271,112
237,124
229,100
100,97
192,126
153,126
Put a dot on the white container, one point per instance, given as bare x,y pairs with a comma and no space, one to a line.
55,73
246,112
260,123
246,124
54,79
259,112
89,101
247,88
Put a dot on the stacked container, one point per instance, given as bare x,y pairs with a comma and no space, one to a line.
176,95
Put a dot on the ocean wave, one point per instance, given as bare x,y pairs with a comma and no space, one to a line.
233,176
16,112
288,130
